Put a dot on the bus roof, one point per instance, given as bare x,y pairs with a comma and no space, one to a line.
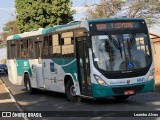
25,34
72,25
43,31
114,19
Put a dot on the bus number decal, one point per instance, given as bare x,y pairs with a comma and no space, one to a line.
140,80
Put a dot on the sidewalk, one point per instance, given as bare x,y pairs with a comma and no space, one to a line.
7,102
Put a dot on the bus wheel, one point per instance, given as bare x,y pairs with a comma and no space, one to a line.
121,98
28,84
70,92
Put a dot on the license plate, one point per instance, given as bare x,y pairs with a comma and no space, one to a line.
129,92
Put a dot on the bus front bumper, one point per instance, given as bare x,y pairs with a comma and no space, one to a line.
100,91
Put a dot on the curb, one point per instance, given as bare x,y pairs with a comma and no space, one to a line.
13,99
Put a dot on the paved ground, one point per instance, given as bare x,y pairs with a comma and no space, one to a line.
51,101
7,102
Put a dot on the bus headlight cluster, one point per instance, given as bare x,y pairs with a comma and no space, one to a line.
151,75
99,80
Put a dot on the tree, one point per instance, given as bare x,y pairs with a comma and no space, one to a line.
33,14
147,9
104,9
10,28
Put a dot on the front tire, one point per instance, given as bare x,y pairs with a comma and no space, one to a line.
28,84
71,93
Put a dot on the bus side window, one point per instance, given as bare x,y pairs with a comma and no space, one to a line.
31,53
67,44
54,46
24,48
68,47
18,48
45,47
11,53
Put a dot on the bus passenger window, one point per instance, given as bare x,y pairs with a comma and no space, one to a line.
68,44
45,46
31,53
54,46
18,49
68,48
24,48
12,49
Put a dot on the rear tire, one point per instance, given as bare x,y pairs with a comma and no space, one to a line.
70,92
121,98
28,84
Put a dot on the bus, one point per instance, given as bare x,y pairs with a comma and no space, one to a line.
109,57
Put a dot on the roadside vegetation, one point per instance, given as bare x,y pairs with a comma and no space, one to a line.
2,45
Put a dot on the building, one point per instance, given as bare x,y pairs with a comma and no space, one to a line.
156,51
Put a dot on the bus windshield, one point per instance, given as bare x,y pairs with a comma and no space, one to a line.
121,52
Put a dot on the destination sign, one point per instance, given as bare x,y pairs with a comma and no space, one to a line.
123,25
116,26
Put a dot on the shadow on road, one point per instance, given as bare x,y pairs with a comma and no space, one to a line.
53,101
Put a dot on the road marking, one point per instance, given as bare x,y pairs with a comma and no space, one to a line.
6,101
15,102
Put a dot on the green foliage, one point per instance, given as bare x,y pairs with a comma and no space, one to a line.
33,14
10,28
2,44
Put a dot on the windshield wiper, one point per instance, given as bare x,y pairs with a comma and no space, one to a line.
116,43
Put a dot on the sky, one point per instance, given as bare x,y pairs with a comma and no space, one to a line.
7,12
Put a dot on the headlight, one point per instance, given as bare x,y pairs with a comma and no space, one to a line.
99,80
151,75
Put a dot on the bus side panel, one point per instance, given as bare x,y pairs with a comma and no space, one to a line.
12,71
53,75
22,67
69,66
33,75
55,70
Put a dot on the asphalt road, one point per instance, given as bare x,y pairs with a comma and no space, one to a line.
51,101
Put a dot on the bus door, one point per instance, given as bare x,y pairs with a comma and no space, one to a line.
38,64
83,66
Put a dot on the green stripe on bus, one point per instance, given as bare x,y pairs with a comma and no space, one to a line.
16,37
100,91
68,65
22,66
61,27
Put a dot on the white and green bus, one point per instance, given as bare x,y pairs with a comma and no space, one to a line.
98,58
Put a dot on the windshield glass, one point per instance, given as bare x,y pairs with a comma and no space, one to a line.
121,52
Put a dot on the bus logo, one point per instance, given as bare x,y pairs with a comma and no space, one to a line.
128,81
